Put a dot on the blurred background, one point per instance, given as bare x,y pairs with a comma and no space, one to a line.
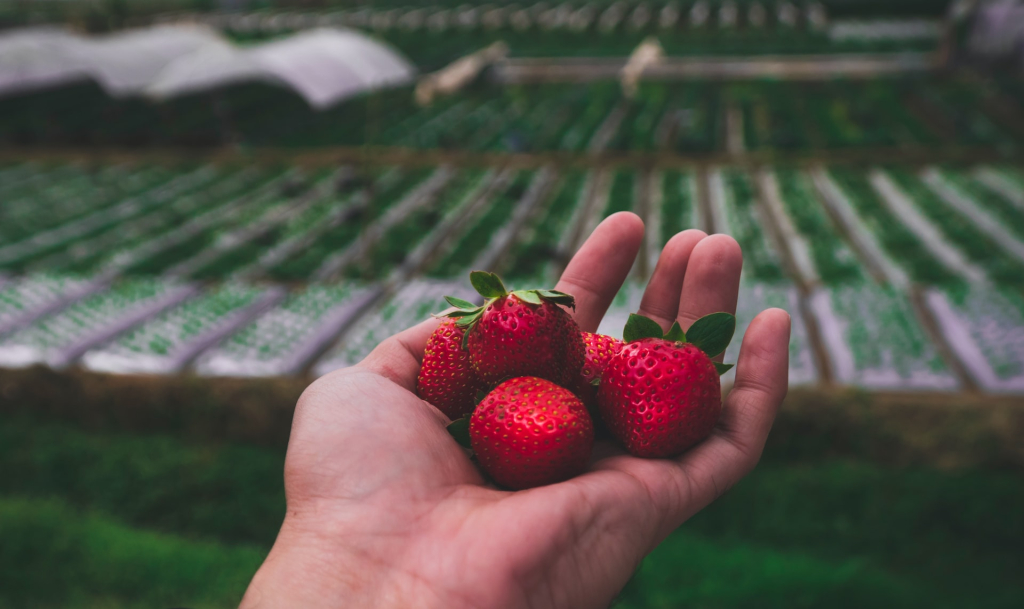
205,204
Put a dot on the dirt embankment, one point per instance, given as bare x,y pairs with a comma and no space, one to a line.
944,430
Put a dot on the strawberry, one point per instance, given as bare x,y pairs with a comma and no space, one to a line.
598,351
519,333
661,394
446,379
529,432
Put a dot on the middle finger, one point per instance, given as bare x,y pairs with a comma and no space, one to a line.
661,297
712,280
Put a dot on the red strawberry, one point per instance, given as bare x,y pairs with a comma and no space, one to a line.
446,378
598,351
522,333
530,432
661,395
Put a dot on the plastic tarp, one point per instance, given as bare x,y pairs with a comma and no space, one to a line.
323,65
123,63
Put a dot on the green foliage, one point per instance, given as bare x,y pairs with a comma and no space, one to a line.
712,333
459,430
798,532
620,195
676,205
834,261
476,237
230,493
844,535
385,194
896,238
53,555
639,327
487,284
692,571
962,231
759,258
540,245
165,259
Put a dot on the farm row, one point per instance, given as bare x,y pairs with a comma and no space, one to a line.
603,17
434,36
896,278
696,118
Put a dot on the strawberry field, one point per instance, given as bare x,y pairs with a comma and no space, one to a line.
176,269
896,276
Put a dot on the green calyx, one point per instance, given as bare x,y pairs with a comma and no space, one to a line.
489,285
711,333
459,429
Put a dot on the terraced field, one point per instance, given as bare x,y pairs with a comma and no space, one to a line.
897,278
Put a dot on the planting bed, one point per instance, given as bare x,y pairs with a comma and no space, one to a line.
376,230
834,261
736,213
754,298
985,328
958,230
899,242
414,302
61,338
23,300
171,340
874,340
285,339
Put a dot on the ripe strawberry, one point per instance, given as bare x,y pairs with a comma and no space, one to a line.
446,379
522,333
530,432
598,351
661,394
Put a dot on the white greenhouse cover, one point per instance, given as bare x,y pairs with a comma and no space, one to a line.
324,66
122,63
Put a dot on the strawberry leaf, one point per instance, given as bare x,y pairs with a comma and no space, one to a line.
456,313
638,327
459,429
712,333
675,333
722,368
459,303
595,382
446,313
487,284
467,324
529,296
561,298
468,320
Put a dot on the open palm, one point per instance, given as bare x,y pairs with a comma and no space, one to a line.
385,509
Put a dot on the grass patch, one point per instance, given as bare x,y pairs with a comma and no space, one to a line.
957,534
54,556
691,571
229,492
120,520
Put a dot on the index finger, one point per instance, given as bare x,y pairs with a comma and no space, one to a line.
597,271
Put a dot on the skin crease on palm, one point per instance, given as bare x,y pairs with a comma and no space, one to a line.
386,510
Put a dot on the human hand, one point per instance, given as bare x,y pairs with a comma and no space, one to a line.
386,510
